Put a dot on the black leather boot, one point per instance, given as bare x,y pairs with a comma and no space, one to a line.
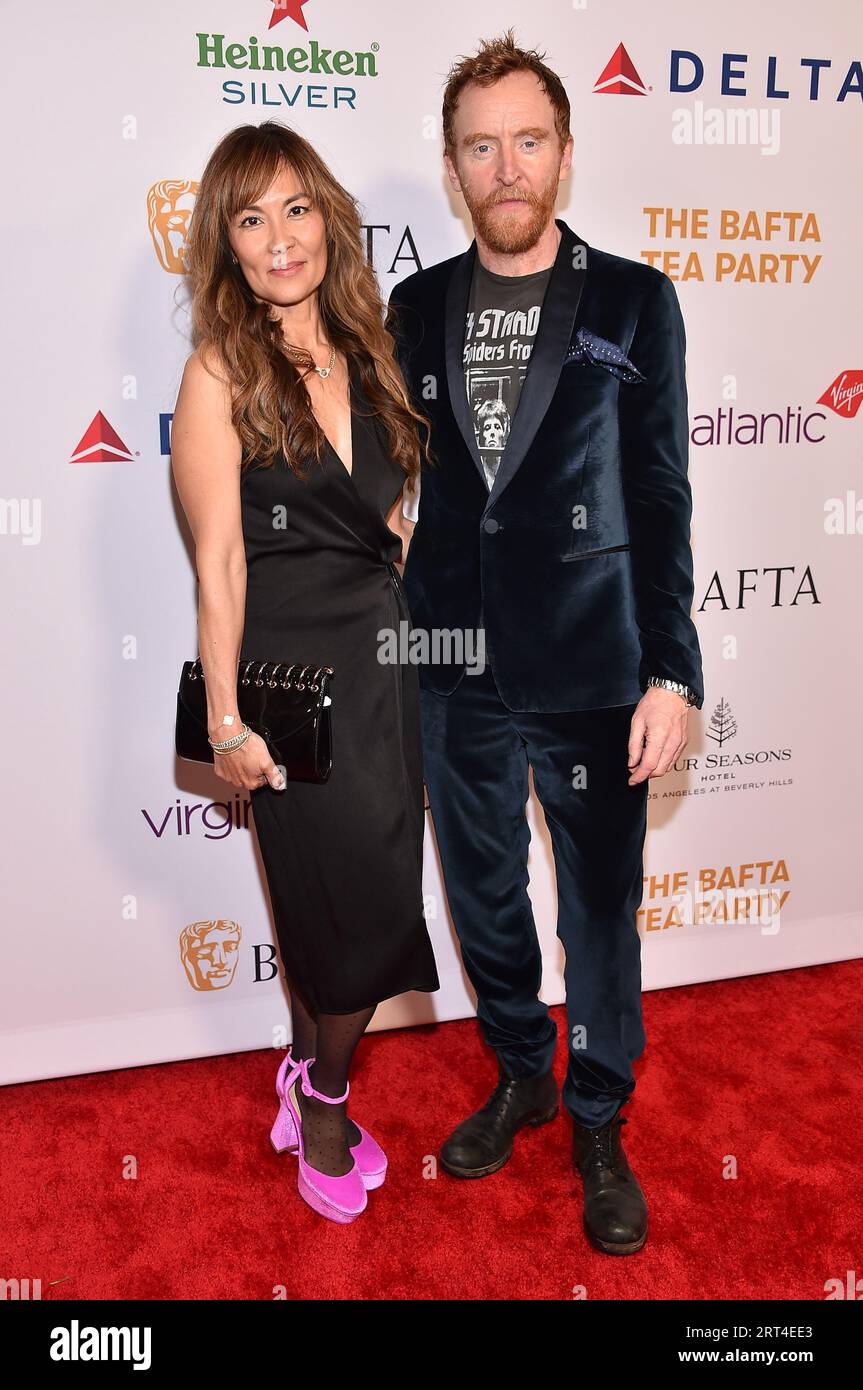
483,1142
615,1211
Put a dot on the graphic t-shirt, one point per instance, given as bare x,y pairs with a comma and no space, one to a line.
500,328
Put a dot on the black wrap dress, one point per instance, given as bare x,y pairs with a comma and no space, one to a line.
343,858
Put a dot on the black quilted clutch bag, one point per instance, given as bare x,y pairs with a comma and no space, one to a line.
286,703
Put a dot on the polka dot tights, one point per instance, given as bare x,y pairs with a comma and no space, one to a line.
332,1040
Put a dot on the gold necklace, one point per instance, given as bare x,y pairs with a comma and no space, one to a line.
305,358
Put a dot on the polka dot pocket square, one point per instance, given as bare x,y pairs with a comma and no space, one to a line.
588,347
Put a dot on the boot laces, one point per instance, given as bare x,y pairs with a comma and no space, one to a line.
605,1145
500,1097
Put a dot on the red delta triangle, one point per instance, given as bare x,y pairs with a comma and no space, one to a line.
619,77
100,443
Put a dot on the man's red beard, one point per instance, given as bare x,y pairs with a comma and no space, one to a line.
512,234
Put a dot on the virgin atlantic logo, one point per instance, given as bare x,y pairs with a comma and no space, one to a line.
844,394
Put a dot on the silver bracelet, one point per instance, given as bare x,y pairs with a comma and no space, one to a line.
230,745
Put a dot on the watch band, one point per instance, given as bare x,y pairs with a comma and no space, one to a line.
686,691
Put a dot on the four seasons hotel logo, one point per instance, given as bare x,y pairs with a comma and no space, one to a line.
723,767
722,725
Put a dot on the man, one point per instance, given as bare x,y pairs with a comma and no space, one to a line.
555,518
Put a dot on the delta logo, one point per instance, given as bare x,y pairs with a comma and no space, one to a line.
844,395
619,77
687,70
304,61
100,443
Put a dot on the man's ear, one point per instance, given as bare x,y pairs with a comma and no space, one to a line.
452,171
566,158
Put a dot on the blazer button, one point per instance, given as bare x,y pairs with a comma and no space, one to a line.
490,525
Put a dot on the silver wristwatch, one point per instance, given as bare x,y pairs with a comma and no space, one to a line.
688,694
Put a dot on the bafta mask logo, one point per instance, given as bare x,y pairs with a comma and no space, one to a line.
169,210
209,952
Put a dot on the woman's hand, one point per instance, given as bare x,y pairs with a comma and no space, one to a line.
249,766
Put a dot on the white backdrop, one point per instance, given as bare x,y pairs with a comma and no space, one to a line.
113,848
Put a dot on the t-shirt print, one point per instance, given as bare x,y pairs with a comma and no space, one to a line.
500,328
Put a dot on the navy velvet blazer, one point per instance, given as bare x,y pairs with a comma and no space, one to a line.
579,559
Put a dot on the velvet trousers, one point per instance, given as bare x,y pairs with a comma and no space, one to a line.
476,755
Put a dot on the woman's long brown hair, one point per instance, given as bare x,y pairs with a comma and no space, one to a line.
272,409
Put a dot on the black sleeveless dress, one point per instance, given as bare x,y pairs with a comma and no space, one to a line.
343,858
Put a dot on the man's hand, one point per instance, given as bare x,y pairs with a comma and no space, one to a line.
657,734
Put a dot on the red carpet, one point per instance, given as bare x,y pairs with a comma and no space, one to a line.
765,1069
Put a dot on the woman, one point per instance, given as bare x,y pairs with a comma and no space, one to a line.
292,441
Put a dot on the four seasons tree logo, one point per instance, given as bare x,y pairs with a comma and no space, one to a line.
723,725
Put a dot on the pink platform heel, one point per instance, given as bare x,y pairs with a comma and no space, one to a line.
339,1198
368,1154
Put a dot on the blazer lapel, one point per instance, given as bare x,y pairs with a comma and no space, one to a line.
457,297
556,323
